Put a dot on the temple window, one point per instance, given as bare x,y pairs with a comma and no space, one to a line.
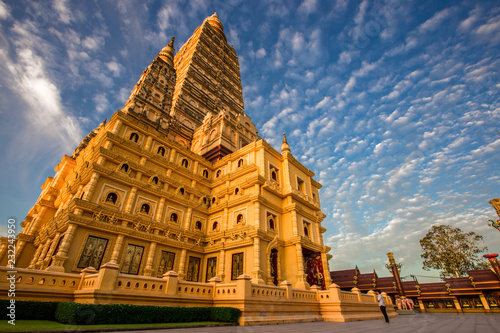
173,217
205,200
193,269
184,163
301,185
198,225
271,221
307,229
111,198
218,174
161,151
213,200
240,163
274,175
124,167
132,260
93,252
134,137
181,191
205,173
239,219
154,180
236,190
215,225
236,265
145,208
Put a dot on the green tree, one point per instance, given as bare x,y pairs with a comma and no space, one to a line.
452,251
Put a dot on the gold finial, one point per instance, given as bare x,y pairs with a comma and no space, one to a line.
284,146
168,51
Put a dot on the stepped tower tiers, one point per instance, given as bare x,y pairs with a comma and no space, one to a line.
178,180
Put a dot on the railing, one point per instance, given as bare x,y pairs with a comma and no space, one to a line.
228,290
89,282
324,296
349,296
268,292
367,298
196,289
140,283
35,278
304,295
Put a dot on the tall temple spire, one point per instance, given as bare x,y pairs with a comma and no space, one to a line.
216,24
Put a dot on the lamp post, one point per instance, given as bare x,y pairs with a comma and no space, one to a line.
395,269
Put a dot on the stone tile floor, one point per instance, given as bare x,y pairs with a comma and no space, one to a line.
419,323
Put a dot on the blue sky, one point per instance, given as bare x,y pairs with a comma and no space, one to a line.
393,104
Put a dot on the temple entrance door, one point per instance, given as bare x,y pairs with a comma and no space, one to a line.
274,265
313,267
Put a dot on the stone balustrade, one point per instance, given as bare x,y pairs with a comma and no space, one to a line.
260,304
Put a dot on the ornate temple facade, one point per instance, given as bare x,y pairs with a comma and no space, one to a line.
178,185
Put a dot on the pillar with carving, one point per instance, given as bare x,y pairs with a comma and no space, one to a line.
257,272
394,269
182,263
148,270
62,255
117,249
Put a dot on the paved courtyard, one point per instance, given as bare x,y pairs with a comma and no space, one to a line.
442,323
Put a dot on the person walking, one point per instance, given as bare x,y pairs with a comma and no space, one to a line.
381,304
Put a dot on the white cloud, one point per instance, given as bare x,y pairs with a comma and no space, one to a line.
93,42
4,11
61,7
101,102
436,20
308,7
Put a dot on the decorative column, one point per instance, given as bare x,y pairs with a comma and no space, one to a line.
326,272
51,250
20,244
225,219
34,260
257,219
172,156
130,200
301,276
295,229
117,249
257,272
159,212
117,126
148,270
182,263
188,218
33,225
45,248
395,269
91,187
147,146
61,256
222,261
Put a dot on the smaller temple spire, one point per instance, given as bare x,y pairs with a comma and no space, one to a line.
284,146
168,52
